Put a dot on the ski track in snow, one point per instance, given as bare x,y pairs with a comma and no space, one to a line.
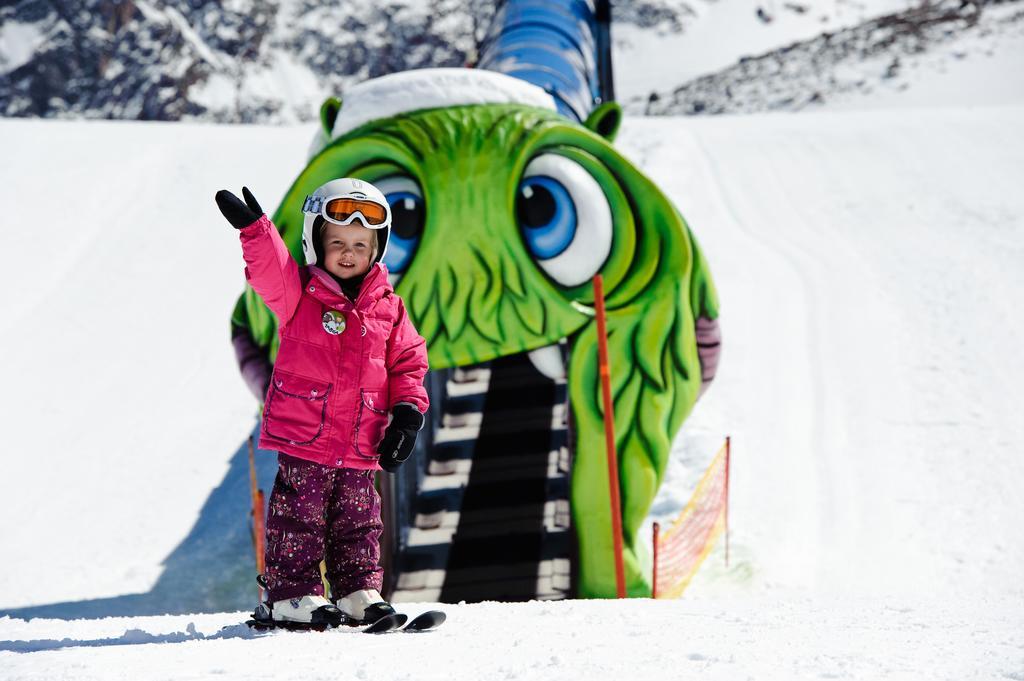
875,238
870,267
789,270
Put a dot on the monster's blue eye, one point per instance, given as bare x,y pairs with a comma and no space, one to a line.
407,217
565,219
406,226
546,215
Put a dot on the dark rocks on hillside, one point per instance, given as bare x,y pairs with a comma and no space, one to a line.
218,59
663,15
121,58
811,72
276,60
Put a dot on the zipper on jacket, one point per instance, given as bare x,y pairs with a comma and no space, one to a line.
362,347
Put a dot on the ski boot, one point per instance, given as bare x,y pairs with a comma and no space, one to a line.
368,608
307,612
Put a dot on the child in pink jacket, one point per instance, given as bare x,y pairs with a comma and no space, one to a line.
346,398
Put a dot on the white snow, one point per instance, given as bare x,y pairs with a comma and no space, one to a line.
398,93
219,92
723,31
870,267
720,640
121,403
282,77
285,76
190,35
975,68
18,43
151,13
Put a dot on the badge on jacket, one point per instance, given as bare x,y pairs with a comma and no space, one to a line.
334,322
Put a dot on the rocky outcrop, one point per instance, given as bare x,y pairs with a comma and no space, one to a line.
229,60
875,54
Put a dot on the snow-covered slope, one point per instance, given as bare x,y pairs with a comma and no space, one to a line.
936,54
240,61
721,640
121,400
706,36
870,267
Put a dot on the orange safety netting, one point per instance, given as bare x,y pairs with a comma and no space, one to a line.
680,550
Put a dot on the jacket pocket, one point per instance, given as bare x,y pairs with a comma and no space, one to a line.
377,333
296,408
370,424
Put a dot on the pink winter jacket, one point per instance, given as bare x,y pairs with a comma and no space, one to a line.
341,366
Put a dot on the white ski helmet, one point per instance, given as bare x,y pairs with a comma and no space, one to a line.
342,202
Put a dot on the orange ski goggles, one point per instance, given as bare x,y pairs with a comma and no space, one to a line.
343,211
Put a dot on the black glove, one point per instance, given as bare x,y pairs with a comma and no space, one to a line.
239,214
400,436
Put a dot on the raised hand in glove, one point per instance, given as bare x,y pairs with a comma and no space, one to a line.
400,436
239,214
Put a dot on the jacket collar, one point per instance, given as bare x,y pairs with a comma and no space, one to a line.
375,285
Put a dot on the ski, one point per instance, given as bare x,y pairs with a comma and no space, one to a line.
427,621
381,626
386,623
270,625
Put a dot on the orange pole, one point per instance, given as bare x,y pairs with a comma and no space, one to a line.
654,569
258,530
728,453
261,532
609,434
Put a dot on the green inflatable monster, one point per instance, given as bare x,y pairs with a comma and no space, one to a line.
512,209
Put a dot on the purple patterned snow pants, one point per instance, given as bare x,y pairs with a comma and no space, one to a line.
321,513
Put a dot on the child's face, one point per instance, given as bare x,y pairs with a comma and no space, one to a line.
347,249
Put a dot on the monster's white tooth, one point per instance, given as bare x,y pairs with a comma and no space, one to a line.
548,361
